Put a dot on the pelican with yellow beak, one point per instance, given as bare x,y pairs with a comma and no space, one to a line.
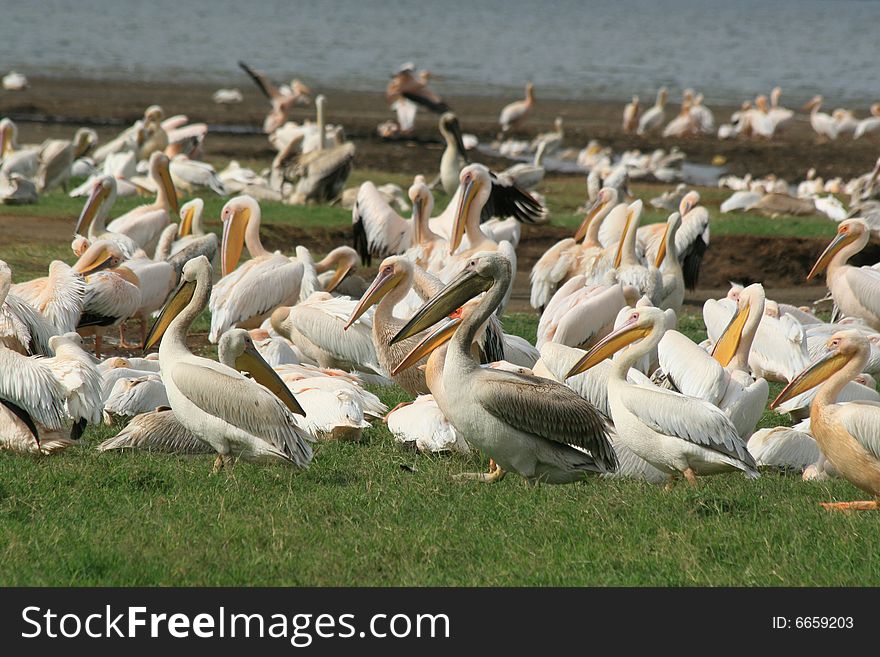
672,295
721,378
93,219
627,269
236,415
855,290
526,424
144,224
678,435
565,259
848,434
246,296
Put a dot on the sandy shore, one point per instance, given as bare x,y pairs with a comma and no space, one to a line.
51,105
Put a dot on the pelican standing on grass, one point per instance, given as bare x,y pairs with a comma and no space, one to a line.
234,414
678,435
848,434
528,425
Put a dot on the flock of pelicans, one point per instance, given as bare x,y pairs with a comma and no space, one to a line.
611,388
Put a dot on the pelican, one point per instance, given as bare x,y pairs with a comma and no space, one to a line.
454,156
130,397
396,277
80,379
57,157
847,434
58,296
679,435
526,424
157,431
631,115
654,117
514,114
14,81
580,314
870,124
377,229
778,115
296,93
627,270
428,249
191,175
413,87
22,329
145,223
321,173
422,424
236,415
702,119
683,124
156,279
855,290
528,176
175,237
823,124
92,220
246,296
17,190
672,295
16,159
722,378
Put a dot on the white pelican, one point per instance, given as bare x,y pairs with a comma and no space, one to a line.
22,328
58,296
526,424
80,379
855,290
133,396
528,175
847,434
14,158
567,258
412,86
157,431
92,220
513,114
145,223
17,190
422,424
823,124
454,156
702,119
377,229
722,378
683,124
246,296
870,124
627,269
579,314
779,116
654,116
14,81
190,228
786,448
282,99
236,415
191,176
57,157
396,277
156,279
428,249
676,434
631,115
672,295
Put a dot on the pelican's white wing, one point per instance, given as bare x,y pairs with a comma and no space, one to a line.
131,397
693,372
157,431
784,447
862,421
865,285
550,270
378,230
29,384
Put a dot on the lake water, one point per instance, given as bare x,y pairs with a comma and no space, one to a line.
569,48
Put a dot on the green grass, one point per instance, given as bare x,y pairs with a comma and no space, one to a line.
375,513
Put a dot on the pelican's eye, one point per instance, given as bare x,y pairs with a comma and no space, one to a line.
389,269
634,317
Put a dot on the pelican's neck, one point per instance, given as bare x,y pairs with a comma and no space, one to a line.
740,360
634,352
385,308
174,339
421,223
832,387
840,258
320,118
530,95
591,238
472,222
99,224
460,345
162,200
628,254
252,235
425,284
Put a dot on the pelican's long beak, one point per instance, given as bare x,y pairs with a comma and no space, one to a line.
252,362
581,232
179,300
95,263
90,209
381,285
728,343
839,241
4,141
457,292
186,224
437,338
168,186
417,220
459,142
626,227
464,206
233,239
628,333
339,275
811,377
661,252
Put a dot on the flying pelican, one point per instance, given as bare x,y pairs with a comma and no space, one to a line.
454,156
282,99
631,115
823,124
855,290
92,220
145,223
847,434
679,435
566,258
246,296
396,277
526,424
654,117
513,114
236,415
722,378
